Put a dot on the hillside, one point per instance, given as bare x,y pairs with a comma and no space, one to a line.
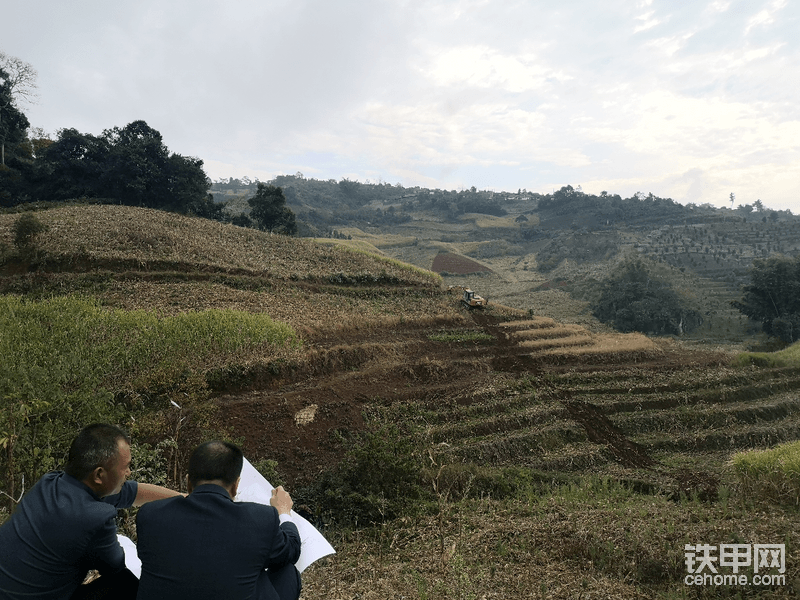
540,457
154,260
547,252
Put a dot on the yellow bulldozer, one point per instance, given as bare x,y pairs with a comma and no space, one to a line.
472,300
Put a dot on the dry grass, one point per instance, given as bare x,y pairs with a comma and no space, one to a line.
557,342
772,473
617,344
535,323
376,241
104,232
606,348
593,544
354,244
563,331
308,312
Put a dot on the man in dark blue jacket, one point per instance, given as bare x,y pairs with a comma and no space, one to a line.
206,546
64,526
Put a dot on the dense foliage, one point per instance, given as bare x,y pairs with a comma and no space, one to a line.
13,123
773,296
607,210
580,247
634,299
268,209
129,165
69,362
379,478
322,205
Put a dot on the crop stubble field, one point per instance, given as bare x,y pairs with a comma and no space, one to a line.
626,437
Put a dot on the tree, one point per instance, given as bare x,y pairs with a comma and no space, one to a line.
13,123
130,165
17,83
71,167
773,296
269,210
632,299
136,165
187,188
25,229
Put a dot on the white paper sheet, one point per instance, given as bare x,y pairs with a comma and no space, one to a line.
131,555
253,488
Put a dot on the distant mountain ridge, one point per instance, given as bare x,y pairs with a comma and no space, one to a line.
547,252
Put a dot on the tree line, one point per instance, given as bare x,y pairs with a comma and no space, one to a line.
635,297
128,165
773,296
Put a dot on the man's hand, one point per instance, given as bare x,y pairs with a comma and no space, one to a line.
281,500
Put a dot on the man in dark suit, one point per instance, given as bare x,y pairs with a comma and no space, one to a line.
65,525
206,546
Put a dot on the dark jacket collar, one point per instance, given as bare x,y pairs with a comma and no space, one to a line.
211,488
66,477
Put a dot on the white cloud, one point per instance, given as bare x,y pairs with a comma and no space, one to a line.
765,16
719,6
648,22
681,99
482,66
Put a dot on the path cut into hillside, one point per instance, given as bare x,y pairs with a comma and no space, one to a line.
551,397
499,387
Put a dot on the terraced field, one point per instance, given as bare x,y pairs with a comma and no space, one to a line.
626,406
494,405
537,394
495,396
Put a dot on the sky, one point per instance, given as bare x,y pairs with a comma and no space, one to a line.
690,100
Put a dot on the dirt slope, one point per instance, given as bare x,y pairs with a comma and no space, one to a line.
535,391
294,420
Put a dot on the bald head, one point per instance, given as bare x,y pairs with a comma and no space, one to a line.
215,461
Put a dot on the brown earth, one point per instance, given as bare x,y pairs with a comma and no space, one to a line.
365,321
456,264
294,421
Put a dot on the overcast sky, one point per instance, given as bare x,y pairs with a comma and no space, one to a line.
692,100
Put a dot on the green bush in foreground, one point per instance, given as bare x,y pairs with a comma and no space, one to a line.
783,358
68,361
25,229
379,479
771,474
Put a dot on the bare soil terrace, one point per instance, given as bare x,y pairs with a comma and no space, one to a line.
534,392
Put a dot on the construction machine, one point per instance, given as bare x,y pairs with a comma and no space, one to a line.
472,300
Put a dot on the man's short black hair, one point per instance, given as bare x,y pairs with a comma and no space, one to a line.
215,460
95,446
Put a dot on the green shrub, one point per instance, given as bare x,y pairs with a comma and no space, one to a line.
68,362
379,479
772,475
783,358
269,469
25,229
464,335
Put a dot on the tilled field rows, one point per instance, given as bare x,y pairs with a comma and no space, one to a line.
616,415
632,408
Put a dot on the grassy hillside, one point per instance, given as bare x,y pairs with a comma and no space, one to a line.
146,259
503,453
